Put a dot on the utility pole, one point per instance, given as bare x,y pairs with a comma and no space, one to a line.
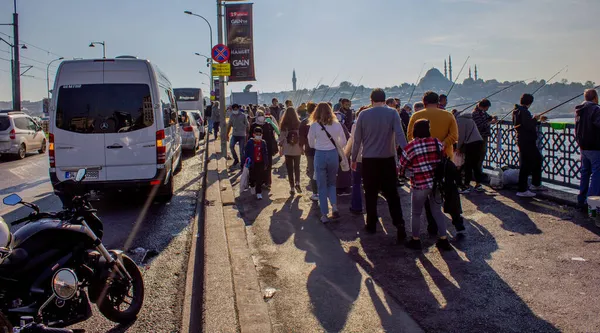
222,107
17,65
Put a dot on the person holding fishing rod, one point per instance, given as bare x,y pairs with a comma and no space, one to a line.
483,120
587,134
529,154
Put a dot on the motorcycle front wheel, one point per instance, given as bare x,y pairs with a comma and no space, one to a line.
122,300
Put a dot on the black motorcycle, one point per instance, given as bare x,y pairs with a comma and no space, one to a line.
55,266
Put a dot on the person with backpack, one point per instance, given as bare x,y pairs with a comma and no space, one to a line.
326,136
422,156
344,178
258,153
268,135
356,205
443,127
308,151
289,141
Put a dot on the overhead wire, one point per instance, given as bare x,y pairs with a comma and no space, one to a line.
32,45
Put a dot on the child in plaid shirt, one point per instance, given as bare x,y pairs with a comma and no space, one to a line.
422,156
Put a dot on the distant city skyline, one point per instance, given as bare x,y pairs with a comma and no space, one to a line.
384,41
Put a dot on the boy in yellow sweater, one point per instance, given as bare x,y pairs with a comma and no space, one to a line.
442,123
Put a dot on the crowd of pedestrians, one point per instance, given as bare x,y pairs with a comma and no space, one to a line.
369,152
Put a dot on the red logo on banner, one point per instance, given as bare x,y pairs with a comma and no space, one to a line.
238,14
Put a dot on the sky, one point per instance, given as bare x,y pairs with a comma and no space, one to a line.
386,42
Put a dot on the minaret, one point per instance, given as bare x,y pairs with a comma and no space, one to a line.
450,67
445,69
476,76
294,79
470,75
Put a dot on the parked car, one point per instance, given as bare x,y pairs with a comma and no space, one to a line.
20,134
117,118
190,135
201,123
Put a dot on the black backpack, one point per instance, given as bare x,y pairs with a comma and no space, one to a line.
445,180
292,137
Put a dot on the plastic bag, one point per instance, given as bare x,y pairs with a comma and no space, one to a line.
496,179
459,159
510,177
245,178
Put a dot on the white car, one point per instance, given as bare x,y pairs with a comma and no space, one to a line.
190,135
20,134
117,118
201,123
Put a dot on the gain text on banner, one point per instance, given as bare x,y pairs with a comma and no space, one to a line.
240,41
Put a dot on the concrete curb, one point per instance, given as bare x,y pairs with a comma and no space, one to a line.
251,309
192,299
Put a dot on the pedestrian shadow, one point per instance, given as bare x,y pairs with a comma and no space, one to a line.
512,219
334,284
22,187
445,292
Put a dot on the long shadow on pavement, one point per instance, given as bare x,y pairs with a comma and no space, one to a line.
512,219
334,284
442,292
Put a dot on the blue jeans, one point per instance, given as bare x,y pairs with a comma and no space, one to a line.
326,167
241,140
356,204
210,126
590,169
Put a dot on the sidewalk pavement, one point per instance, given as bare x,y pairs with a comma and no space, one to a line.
525,265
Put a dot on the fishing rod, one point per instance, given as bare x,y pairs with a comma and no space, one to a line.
416,83
559,105
329,87
488,96
553,76
538,89
355,89
314,90
456,79
335,93
301,91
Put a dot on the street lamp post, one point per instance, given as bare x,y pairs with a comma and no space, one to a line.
211,43
201,72
103,43
48,75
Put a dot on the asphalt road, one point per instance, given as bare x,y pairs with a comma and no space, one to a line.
160,232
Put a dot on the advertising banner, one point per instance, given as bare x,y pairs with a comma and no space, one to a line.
240,41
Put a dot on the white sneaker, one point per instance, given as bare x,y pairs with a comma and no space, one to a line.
253,190
526,194
537,188
259,196
314,197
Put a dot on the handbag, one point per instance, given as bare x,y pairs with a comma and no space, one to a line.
344,164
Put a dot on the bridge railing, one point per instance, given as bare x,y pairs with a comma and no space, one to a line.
561,154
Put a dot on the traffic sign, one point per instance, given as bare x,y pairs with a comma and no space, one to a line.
221,69
220,53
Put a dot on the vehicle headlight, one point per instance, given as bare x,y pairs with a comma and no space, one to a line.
64,284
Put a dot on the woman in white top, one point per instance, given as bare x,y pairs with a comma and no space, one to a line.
324,129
